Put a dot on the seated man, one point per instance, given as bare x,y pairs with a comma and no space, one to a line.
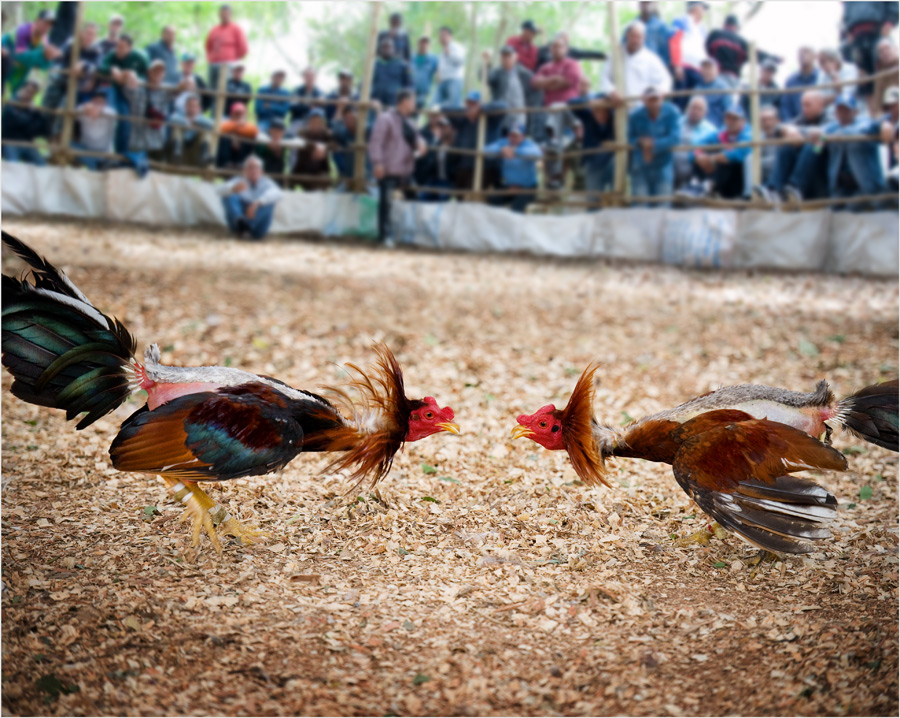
344,132
854,168
249,200
238,134
654,130
694,129
311,160
800,169
721,171
23,124
465,126
272,153
433,164
150,100
518,168
190,141
96,129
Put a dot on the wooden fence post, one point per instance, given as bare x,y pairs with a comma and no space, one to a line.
224,72
365,95
71,87
621,113
756,152
478,174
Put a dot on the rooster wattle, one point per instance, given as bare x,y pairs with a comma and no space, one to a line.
199,423
731,450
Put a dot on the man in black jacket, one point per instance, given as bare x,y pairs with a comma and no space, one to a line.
464,121
23,124
237,89
863,25
731,51
511,83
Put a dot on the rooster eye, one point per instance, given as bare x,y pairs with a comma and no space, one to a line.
543,424
555,428
429,415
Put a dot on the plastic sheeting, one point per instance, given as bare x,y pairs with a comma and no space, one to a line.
864,243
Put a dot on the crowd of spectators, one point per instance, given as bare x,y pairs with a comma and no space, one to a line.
152,105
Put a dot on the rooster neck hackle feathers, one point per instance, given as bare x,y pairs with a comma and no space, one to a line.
577,419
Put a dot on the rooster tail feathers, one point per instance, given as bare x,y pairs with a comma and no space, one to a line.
62,352
872,414
783,517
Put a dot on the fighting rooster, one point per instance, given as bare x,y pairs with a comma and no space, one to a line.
732,451
199,423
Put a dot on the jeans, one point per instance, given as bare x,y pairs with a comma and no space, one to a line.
803,168
29,155
119,103
652,182
449,92
692,78
386,187
92,163
236,209
516,202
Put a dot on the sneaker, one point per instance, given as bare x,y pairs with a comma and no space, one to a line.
793,196
761,192
242,230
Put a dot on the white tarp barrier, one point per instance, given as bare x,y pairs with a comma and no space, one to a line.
865,242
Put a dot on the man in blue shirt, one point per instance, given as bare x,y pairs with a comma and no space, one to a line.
518,170
268,107
465,123
854,168
653,130
424,65
390,75
164,50
715,104
806,76
305,97
657,33
721,172
598,128
694,128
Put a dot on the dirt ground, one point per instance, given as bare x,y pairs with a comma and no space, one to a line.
480,578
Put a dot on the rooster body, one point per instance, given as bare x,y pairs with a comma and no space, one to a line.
732,450
207,423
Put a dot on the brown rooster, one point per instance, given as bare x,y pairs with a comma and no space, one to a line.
199,423
731,450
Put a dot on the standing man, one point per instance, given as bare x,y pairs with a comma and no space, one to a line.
511,83
225,43
598,128
424,68
390,75
249,201
523,44
806,76
863,25
560,78
731,51
27,48
392,150
643,69
654,129
97,127
688,47
117,64
113,30
396,33
237,88
451,69
164,50
657,32
268,106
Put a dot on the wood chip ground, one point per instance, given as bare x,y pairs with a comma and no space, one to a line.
481,578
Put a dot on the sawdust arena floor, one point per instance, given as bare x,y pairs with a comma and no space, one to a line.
481,577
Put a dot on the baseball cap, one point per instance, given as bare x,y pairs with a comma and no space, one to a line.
737,111
317,112
891,96
188,57
155,63
518,127
529,25
769,65
345,73
238,106
276,124
473,96
848,101
507,50
652,91
47,15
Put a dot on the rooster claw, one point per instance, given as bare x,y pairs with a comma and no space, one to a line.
244,534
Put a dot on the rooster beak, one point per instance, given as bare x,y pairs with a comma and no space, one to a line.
449,426
518,431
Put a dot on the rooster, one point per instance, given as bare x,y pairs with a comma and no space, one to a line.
199,423
732,451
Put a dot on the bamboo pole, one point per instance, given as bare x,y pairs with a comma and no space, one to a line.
478,174
365,94
621,114
72,86
756,154
219,110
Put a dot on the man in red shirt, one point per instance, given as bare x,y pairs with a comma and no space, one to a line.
225,43
524,45
560,78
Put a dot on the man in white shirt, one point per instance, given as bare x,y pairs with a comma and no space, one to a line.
97,127
451,69
643,69
249,200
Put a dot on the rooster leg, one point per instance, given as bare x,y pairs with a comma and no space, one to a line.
703,536
206,515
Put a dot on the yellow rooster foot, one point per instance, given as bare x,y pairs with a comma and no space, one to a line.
703,536
244,534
